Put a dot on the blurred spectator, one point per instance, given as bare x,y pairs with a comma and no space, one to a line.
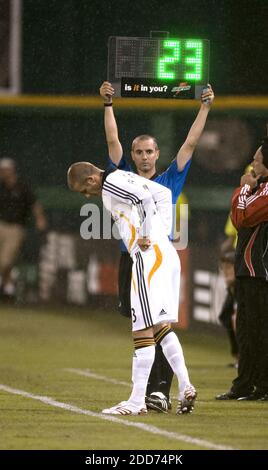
181,214
230,241
230,231
228,311
227,315
17,203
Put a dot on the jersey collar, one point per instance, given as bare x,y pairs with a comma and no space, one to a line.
106,173
111,170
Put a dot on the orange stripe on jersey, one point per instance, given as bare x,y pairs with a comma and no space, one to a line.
134,284
157,263
131,228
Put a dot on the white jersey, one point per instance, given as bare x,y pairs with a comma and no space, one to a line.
140,207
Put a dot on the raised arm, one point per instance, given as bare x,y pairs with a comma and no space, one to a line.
187,149
111,131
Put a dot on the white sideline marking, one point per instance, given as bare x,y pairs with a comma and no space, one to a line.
88,373
144,427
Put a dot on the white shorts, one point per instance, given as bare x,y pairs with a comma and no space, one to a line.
155,286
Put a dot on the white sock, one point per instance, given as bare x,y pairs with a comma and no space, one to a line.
141,367
174,354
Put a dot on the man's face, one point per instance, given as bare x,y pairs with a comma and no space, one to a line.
257,164
144,155
91,187
7,172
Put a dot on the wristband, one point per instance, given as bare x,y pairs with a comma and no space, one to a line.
108,104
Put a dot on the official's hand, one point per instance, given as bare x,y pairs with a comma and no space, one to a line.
144,243
106,92
250,178
207,96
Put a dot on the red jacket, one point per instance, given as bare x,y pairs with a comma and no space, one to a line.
250,217
250,208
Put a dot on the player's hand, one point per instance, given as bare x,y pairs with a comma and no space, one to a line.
250,178
107,92
144,243
207,96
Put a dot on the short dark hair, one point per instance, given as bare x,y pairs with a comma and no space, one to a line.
144,137
78,173
264,151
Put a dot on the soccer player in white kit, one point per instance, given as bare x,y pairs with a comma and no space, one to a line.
142,210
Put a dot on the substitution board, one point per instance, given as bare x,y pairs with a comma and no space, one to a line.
157,67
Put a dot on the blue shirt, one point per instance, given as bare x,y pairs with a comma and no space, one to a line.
172,179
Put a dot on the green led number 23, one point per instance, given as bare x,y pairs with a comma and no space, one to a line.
194,62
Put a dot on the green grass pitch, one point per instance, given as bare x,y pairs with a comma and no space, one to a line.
38,346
